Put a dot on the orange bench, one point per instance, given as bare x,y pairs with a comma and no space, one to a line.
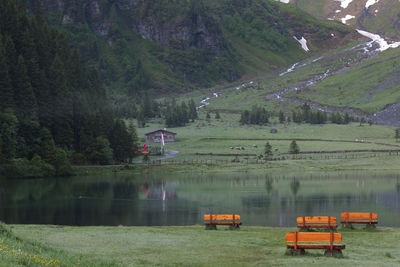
212,220
368,218
316,222
299,241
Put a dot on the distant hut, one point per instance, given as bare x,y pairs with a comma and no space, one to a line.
273,131
155,136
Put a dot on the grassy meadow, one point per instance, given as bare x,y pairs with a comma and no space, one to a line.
203,139
369,86
186,246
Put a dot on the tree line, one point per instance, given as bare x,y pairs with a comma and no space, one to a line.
303,114
53,108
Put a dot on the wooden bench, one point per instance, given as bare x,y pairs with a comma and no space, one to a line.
368,218
212,220
317,222
299,241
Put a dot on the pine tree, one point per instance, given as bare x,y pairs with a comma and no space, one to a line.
217,116
133,134
281,116
121,142
25,101
184,117
397,134
267,151
294,148
6,90
62,109
346,118
192,110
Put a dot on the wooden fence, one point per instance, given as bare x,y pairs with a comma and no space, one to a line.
239,159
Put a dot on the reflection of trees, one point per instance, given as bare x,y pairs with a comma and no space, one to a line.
67,201
256,202
268,184
294,186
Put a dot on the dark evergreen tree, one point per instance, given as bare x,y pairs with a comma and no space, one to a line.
267,151
294,148
281,116
121,142
6,90
217,116
192,110
24,98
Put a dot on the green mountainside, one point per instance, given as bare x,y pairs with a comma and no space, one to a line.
179,45
381,17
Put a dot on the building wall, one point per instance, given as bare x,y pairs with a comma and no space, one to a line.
156,137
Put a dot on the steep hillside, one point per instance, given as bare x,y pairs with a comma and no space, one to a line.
377,16
139,45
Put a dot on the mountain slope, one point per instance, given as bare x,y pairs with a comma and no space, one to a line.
377,16
139,45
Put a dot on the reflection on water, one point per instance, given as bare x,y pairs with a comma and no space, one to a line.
147,199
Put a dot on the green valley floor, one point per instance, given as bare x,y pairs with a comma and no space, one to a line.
24,245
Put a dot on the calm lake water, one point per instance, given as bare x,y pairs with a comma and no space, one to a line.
182,199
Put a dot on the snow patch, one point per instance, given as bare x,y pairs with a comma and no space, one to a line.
303,43
283,1
383,44
338,11
344,3
348,17
370,3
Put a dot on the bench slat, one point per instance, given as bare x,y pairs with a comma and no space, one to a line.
316,246
221,217
358,216
223,223
317,219
312,237
317,226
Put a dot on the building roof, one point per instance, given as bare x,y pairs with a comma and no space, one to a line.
160,130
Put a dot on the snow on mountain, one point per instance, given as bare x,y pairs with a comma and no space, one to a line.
348,17
303,43
370,3
383,44
344,3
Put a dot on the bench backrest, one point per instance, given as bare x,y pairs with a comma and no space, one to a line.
316,220
313,237
362,216
221,217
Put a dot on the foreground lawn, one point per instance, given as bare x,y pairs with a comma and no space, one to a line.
192,245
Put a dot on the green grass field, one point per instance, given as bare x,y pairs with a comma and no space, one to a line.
218,136
369,86
186,246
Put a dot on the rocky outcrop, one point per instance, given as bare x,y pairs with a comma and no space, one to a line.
180,33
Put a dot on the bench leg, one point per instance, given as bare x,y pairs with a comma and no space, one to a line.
348,225
299,251
334,252
211,227
370,226
234,227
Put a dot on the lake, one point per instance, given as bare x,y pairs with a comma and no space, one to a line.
153,198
